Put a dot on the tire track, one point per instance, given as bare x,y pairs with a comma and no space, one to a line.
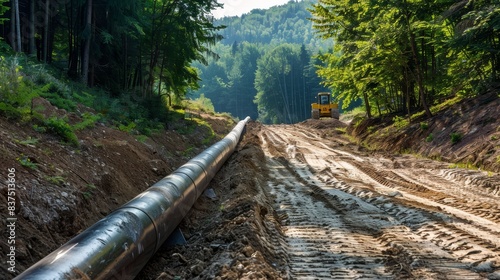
414,230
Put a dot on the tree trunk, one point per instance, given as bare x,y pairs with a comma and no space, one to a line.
18,27
46,31
32,31
86,46
367,104
12,33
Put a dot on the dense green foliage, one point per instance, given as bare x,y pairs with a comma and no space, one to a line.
404,56
124,46
3,9
266,66
283,24
21,81
281,84
124,59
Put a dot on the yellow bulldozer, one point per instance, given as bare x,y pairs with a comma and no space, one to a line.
324,107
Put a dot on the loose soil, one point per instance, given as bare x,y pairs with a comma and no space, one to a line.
293,202
61,190
301,202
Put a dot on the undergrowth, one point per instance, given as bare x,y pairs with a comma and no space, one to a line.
22,79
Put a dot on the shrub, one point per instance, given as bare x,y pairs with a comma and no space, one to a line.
26,162
455,137
89,120
424,125
62,129
400,122
29,141
89,191
429,138
127,128
56,180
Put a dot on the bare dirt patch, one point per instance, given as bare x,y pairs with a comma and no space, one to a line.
330,209
62,189
234,236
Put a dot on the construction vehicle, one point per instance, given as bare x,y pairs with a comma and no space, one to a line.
324,107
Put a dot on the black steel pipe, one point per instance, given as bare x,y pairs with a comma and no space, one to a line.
119,245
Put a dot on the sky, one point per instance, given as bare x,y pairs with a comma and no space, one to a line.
239,7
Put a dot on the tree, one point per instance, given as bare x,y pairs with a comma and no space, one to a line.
86,45
279,83
477,39
3,9
386,52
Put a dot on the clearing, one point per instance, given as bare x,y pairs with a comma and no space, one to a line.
293,202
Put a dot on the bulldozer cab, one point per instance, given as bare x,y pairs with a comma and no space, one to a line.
324,99
324,107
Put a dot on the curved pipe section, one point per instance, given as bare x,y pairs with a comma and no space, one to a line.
119,245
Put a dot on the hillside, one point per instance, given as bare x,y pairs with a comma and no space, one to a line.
406,187
266,65
466,133
277,25
62,189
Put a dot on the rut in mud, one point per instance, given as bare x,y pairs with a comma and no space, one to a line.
316,207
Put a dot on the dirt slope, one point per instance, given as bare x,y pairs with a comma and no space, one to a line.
61,190
475,123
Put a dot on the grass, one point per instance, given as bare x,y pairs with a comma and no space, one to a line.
30,141
424,125
341,130
26,162
22,79
466,165
400,122
89,120
56,180
188,152
141,138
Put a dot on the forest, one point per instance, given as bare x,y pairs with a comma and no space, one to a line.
127,59
266,67
396,57
404,57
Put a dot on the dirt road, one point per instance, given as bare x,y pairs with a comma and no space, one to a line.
322,208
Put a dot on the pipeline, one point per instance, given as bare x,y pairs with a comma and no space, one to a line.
120,245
